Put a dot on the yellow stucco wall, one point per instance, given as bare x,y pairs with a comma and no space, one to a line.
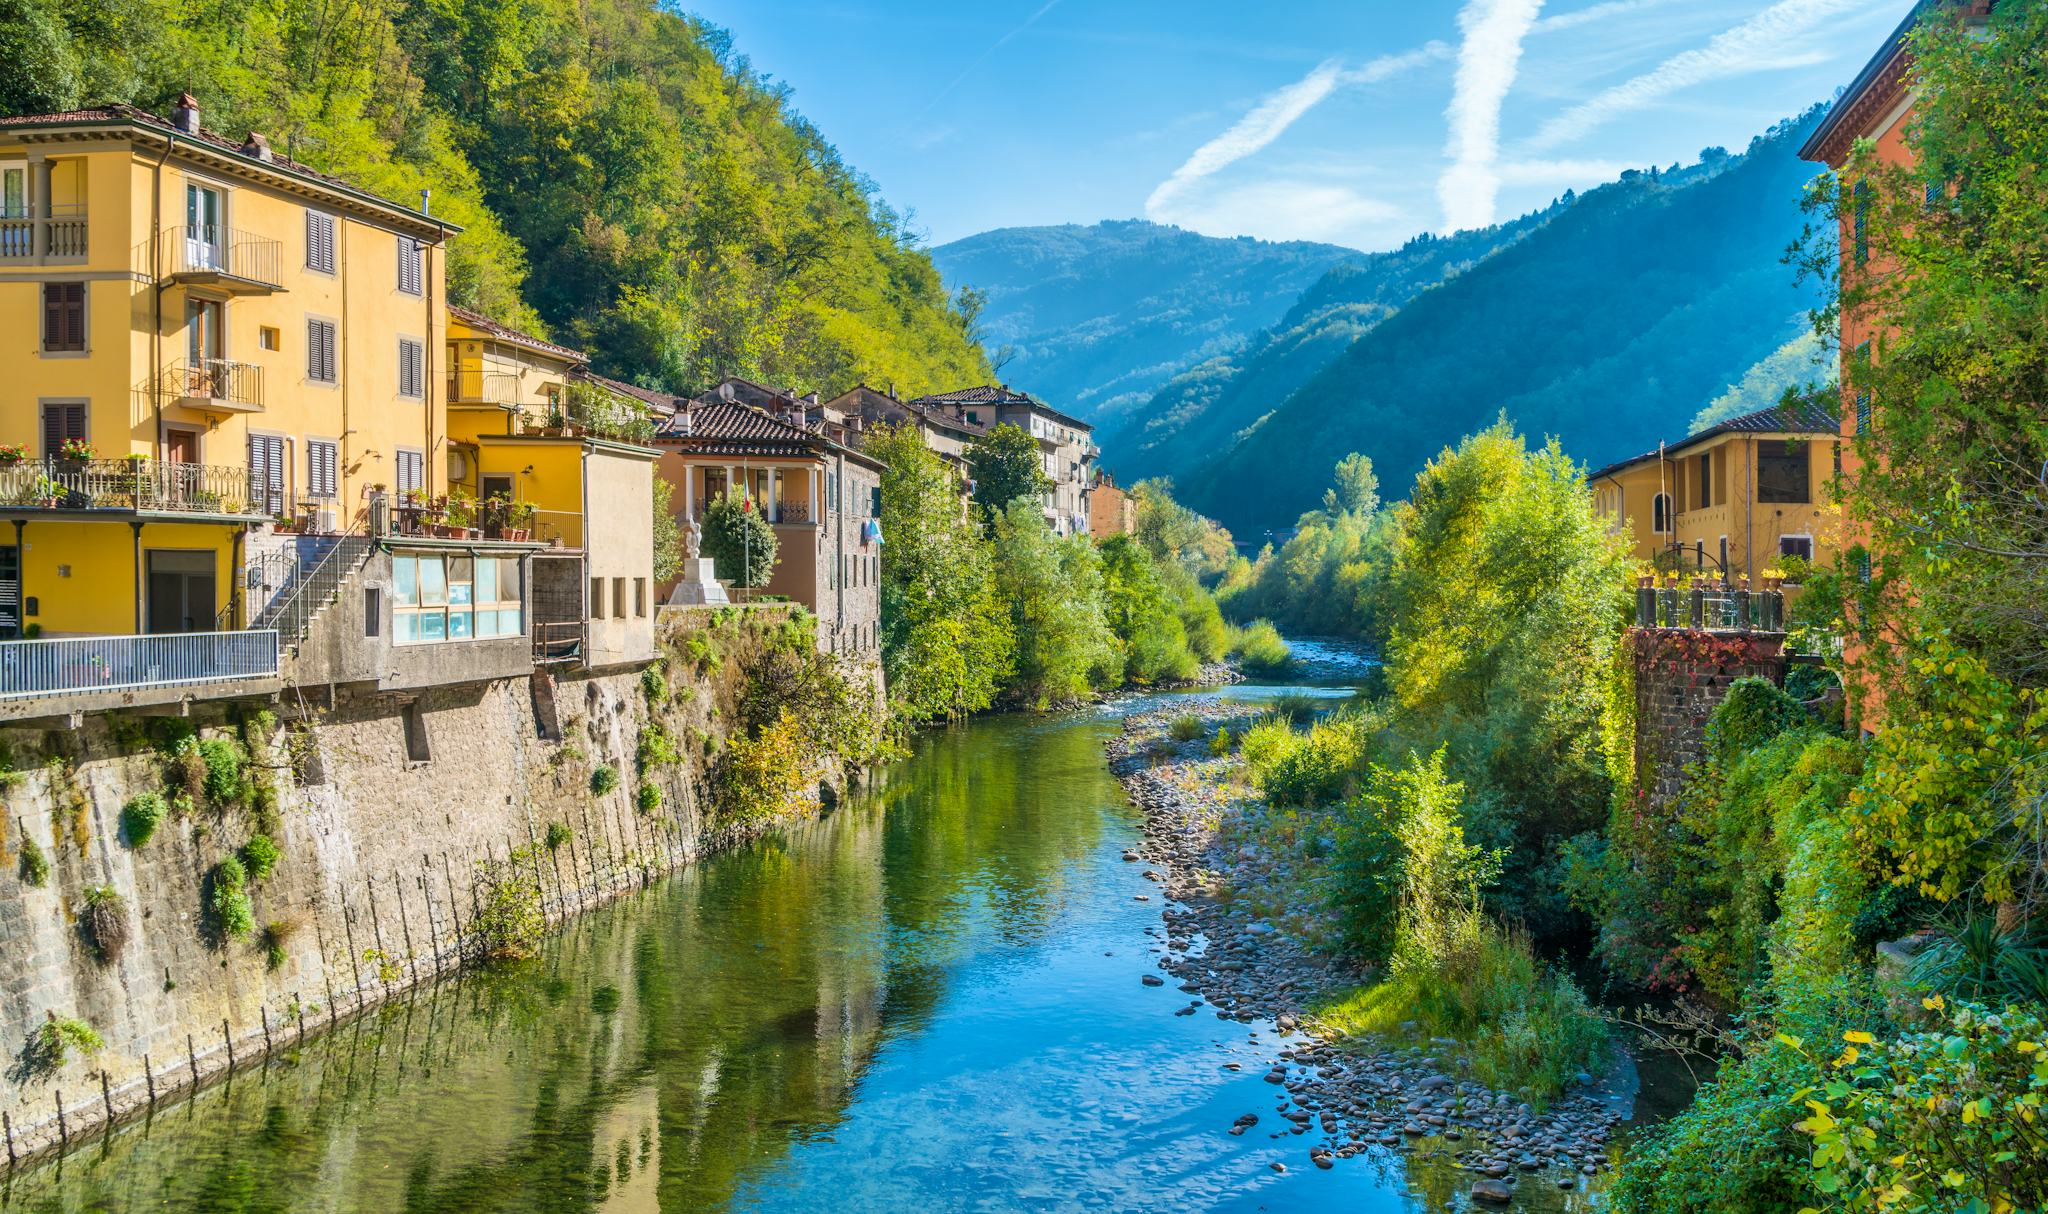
81,576
1752,529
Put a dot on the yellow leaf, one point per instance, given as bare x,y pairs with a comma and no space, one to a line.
1969,1112
1859,1037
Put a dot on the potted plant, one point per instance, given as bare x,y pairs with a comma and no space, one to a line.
77,451
459,509
519,520
12,454
45,492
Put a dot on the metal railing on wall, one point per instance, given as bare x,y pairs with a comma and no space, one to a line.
128,484
1707,607
74,665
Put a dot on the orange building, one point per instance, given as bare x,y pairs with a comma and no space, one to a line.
1878,106
1111,511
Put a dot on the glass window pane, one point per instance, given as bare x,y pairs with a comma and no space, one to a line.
459,594
508,582
433,581
404,627
459,626
508,621
486,579
405,581
433,625
460,569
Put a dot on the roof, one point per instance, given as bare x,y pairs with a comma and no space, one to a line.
1874,86
130,115
1002,398
484,324
718,427
665,402
1778,419
879,400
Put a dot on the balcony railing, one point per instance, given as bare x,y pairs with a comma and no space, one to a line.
217,384
76,665
1707,607
57,234
483,388
129,484
225,256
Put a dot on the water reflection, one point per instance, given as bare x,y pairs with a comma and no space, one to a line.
929,1000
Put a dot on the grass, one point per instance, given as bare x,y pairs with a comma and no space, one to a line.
1524,1028
1185,728
1296,706
1259,650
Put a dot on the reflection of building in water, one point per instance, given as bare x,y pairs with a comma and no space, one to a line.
626,1146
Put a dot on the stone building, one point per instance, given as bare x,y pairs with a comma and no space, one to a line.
1111,511
1067,449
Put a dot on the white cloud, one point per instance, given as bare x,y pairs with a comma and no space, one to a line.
1487,61
1598,12
1278,209
1765,42
1547,172
1270,118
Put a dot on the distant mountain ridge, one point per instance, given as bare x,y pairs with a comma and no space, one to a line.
1608,320
1098,317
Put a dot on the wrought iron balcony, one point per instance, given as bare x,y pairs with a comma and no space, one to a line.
227,259
217,385
56,234
128,484
80,665
469,387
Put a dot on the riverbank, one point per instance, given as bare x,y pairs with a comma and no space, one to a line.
1345,1095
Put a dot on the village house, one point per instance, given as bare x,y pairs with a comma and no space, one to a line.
822,496
1735,499
863,409
1111,511
1067,447
229,427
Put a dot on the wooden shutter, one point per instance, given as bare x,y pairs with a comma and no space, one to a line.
266,471
62,422
409,265
411,470
63,316
411,367
320,468
320,242
320,363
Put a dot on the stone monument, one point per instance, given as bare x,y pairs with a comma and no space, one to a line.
700,584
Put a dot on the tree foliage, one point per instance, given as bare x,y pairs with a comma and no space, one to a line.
1005,465
739,540
1054,586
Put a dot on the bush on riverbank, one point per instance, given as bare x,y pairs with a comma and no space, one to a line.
1260,651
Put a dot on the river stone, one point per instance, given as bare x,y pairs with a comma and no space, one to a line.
1493,1191
1152,980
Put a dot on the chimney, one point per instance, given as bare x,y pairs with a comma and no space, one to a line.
185,115
686,418
259,147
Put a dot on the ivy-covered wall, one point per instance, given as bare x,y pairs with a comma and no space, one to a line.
178,896
1681,676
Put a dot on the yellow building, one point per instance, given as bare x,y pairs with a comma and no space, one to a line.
209,336
555,454
1734,499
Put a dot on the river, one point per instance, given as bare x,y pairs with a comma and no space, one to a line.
927,1001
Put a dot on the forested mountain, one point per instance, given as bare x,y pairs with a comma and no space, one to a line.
1198,411
626,179
1096,318
1609,324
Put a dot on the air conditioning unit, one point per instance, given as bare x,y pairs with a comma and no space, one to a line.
458,465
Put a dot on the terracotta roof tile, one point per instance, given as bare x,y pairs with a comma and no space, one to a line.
1778,419
478,321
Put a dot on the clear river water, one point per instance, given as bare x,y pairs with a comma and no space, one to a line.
927,1001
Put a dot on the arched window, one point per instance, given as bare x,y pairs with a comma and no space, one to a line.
1660,513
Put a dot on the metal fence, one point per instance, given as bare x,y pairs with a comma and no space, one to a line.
128,484
211,248
313,587
75,665
1710,608
218,379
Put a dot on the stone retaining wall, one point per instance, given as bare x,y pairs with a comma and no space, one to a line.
1681,677
378,885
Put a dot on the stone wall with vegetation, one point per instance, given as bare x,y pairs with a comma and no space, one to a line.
1680,677
178,896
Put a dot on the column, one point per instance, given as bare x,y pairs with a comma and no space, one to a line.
774,494
689,492
39,205
811,475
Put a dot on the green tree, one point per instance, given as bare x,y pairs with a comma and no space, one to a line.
1053,585
1143,614
947,640
668,540
1005,465
739,540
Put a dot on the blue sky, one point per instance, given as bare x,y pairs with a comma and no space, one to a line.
1360,122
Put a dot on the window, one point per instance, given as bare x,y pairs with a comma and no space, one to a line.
320,242
321,367
1660,514
618,598
1784,473
269,338
1861,221
373,611
63,316
498,486
412,470
1706,479
412,368
1862,412
597,598
438,598
832,491
875,502
1800,546
62,422
410,278
266,471
640,597
322,457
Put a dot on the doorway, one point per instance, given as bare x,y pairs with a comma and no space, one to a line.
10,591
204,348
203,236
182,590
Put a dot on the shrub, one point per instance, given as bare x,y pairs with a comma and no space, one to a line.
1220,745
259,856
654,685
740,542
1753,712
1732,1151
647,797
228,899
557,834
1977,961
1943,1119
35,866
604,779
59,1035
277,937
106,923
509,919
1185,727
222,758
756,777
1260,650
1296,706
1311,767
657,748
141,816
